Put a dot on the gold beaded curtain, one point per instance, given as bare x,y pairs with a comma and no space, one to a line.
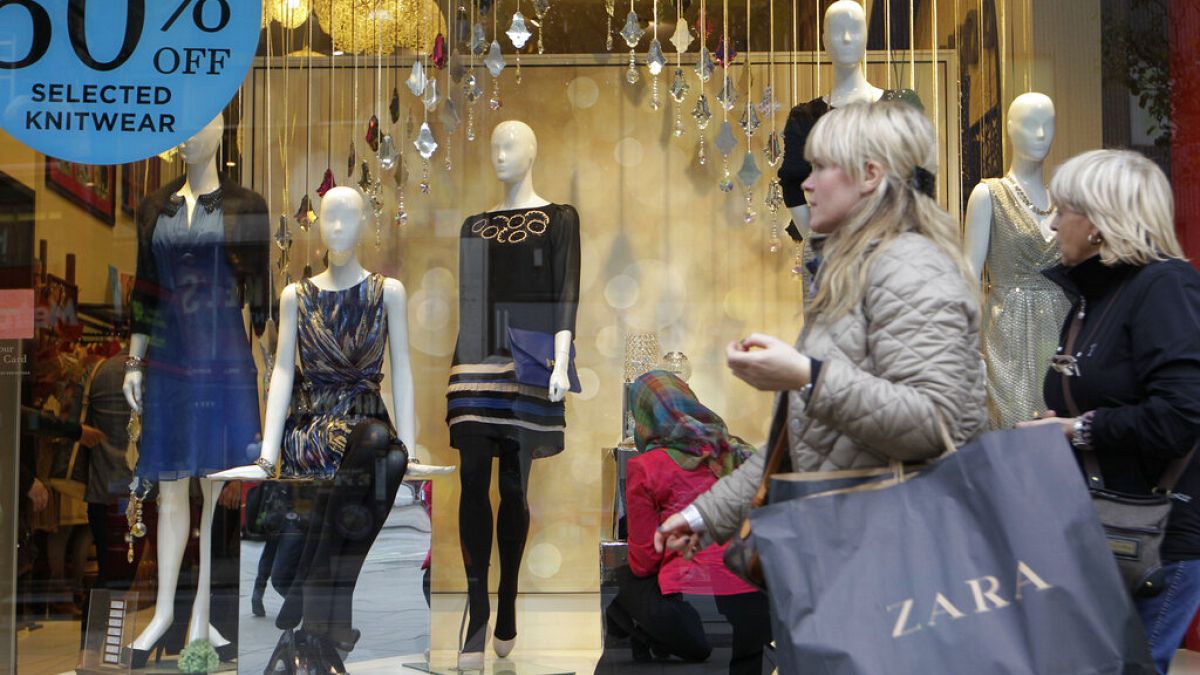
364,26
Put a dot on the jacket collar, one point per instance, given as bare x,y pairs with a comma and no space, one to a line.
210,202
1091,278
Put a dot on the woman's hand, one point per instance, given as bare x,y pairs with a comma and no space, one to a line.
677,535
1067,424
768,363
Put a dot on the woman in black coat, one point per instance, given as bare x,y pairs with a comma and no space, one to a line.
1129,386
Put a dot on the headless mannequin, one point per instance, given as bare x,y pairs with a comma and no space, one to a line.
372,464
174,512
845,40
1031,131
514,149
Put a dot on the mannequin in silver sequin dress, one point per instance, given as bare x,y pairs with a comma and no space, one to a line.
1008,238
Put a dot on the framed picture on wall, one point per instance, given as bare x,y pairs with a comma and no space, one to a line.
139,179
91,187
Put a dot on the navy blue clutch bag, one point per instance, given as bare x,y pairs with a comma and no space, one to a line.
533,358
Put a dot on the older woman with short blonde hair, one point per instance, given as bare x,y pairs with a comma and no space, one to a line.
1125,383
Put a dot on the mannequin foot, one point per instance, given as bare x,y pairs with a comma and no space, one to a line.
503,647
470,660
153,635
138,657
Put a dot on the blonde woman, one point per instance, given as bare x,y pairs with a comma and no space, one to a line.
891,338
1133,372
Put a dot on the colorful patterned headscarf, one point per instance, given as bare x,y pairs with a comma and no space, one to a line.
668,415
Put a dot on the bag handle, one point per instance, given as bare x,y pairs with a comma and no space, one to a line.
779,448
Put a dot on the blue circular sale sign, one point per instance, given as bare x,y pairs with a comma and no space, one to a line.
115,81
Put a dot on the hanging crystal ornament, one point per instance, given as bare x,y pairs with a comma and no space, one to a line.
749,175
479,43
773,151
449,116
425,143
430,98
304,215
768,105
518,33
610,8
471,89
728,94
540,7
682,39
679,86
701,114
388,156
632,34
350,160
773,201
364,181
725,53
438,57
704,64
416,78
495,59
726,144
654,63
372,136
283,236
750,121
394,105
327,183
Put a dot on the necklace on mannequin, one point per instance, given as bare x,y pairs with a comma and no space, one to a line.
1050,208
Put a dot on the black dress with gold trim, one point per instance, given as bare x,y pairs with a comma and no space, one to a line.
519,268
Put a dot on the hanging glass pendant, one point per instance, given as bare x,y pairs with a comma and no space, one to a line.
768,105
495,60
416,78
654,58
610,9
372,136
701,112
394,106
449,116
304,215
438,57
425,143
725,53
457,68
517,33
327,183
704,64
682,39
774,198
471,89
749,173
494,102
749,121
479,42
350,160
679,86
727,97
388,156
430,98
632,32
364,181
726,141
283,236
773,151
401,217
540,7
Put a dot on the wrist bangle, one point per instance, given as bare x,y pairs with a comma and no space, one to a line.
266,465
1081,432
134,363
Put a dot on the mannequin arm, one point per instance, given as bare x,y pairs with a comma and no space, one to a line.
560,384
396,299
133,378
978,227
279,396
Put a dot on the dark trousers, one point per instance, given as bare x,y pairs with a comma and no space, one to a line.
348,512
664,622
475,529
749,615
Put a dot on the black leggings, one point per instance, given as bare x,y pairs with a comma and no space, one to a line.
348,512
475,529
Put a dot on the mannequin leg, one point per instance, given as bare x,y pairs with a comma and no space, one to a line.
174,521
475,533
512,530
200,627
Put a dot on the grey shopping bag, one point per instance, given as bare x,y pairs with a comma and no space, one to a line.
991,560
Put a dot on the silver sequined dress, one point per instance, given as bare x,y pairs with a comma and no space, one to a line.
1024,310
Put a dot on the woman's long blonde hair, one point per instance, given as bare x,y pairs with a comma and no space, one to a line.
900,139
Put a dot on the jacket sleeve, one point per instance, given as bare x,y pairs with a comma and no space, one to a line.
146,288
566,269
641,520
727,502
923,342
1166,354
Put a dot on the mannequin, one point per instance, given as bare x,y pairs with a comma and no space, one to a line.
518,276
338,431
1008,235
202,251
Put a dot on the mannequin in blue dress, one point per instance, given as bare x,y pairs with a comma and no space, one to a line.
202,252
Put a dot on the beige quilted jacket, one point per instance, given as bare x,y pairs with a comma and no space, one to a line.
907,355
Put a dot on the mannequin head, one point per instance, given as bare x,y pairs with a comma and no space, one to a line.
846,33
1031,126
341,222
514,147
202,147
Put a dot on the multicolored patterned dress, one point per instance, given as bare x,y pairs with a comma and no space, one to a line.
342,335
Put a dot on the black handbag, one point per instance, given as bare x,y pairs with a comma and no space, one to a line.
1134,524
